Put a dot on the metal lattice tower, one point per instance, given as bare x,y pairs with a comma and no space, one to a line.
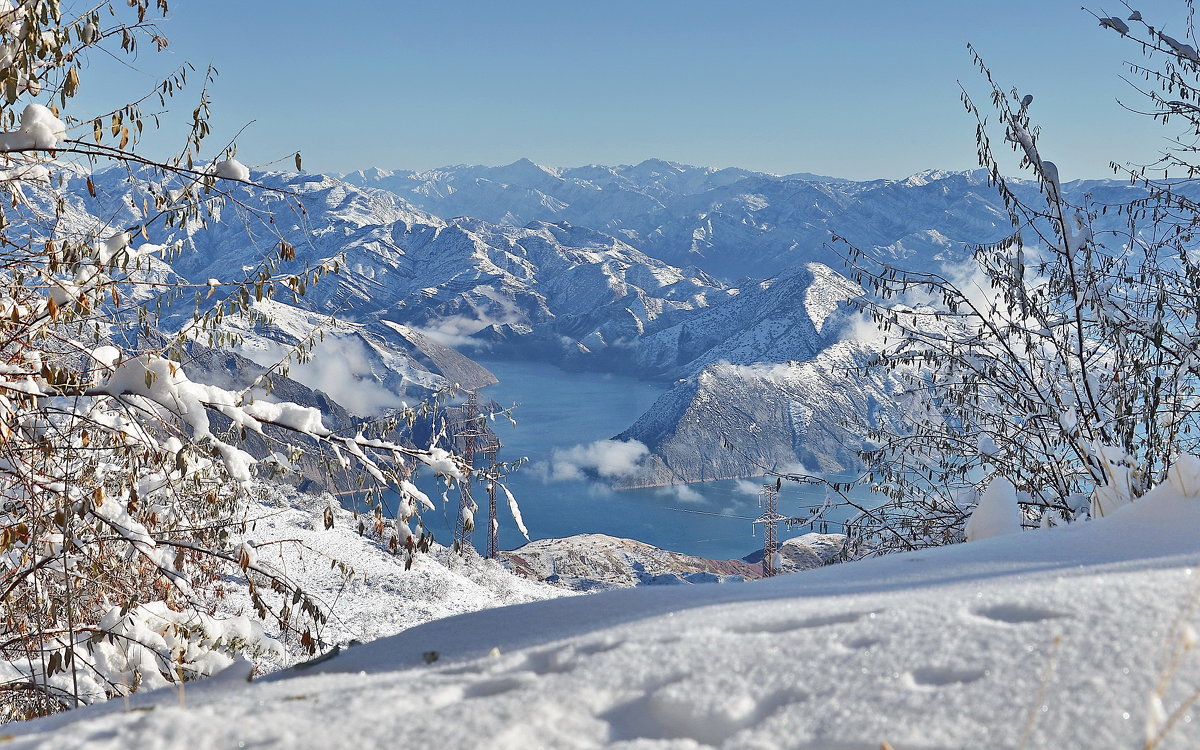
492,447
466,435
770,519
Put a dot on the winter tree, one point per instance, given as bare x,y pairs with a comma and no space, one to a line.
1062,358
122,480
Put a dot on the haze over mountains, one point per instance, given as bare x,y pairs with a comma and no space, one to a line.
721,281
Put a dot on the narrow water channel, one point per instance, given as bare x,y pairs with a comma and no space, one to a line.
557,410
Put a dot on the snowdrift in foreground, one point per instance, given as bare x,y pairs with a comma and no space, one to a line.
1052,638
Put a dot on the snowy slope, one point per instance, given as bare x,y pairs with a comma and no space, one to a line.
779,371
794,316
552,288
794,416
378,596
587,561
1044,639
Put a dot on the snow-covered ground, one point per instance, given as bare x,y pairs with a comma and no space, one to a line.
1056,638
373,595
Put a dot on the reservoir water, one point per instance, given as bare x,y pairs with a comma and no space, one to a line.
558,410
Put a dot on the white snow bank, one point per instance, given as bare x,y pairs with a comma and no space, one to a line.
1048,638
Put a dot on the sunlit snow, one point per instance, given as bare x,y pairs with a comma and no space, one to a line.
1067,637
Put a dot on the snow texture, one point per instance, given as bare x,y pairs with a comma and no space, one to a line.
231,169
380,597
1008,642
39,129
997,512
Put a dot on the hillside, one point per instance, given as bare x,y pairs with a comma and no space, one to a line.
1052,638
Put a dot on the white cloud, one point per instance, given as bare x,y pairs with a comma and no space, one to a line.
341,368
746,487
861,329
608,459
683,493
455,331
795,467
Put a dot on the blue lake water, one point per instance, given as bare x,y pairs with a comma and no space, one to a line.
559,409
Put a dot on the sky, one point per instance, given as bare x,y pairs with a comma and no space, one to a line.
850,88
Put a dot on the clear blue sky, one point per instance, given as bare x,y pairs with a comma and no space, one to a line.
853,88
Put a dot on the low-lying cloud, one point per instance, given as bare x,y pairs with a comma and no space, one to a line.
607,459
860,329
683,493
455,331
746,487
341,368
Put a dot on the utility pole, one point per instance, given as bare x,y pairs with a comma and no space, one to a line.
466,436
770,518
492,447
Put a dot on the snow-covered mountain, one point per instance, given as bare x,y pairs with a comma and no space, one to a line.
778,355
582,267
557,287
733,223
732,421
776,365
787,318
589,300
592,561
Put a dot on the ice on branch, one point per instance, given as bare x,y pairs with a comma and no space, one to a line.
516,512
1115,24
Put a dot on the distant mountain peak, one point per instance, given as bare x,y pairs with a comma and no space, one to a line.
663,164
937,175
527,168
370,173
927,176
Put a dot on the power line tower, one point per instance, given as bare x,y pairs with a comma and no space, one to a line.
491,448
466,435
770,518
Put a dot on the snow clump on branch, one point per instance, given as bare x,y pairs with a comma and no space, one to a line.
40,129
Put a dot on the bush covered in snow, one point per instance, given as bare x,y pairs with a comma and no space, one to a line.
1059,359
122,481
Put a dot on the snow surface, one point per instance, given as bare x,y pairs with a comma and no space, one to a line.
380,598
1048,638
997,512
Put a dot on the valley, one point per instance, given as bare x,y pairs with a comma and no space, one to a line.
716,360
